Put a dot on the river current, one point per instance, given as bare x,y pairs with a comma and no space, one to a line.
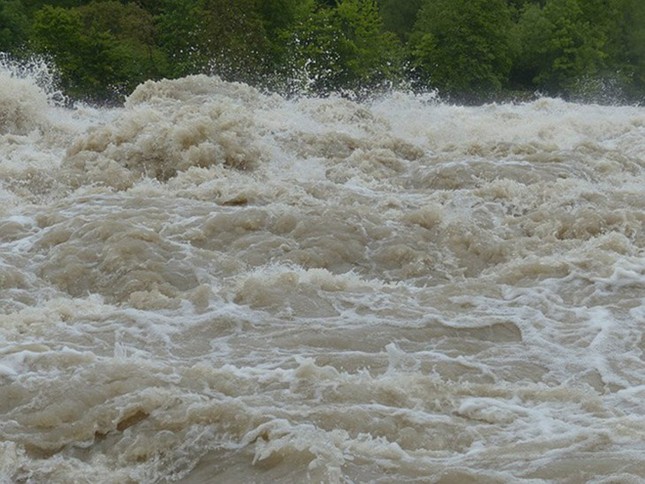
213,284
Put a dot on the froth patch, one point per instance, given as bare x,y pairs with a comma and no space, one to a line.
118,259
190,89
22,105
296,293
169,127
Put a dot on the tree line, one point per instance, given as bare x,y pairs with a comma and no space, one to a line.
468,50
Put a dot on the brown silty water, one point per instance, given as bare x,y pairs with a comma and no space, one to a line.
211,284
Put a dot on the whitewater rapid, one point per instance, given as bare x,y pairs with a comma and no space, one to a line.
214,284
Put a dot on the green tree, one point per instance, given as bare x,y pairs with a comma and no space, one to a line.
14,25
462,47
153,7
180,28
372,55
102,50
132,34
225,37
628,47
563,43
518,6
235,39
34,5
281,18
399,16
58,32
278,15
346,48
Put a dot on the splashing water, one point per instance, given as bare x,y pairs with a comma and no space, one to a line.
211,284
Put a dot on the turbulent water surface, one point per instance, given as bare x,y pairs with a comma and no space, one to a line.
211,284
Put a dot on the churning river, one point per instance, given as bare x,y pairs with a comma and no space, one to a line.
215,285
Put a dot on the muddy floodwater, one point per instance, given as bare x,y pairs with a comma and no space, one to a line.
212,284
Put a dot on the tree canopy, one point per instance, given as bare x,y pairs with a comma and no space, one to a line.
469,50
344,47
463,47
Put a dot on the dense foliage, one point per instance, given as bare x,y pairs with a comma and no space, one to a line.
463,46
466,49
